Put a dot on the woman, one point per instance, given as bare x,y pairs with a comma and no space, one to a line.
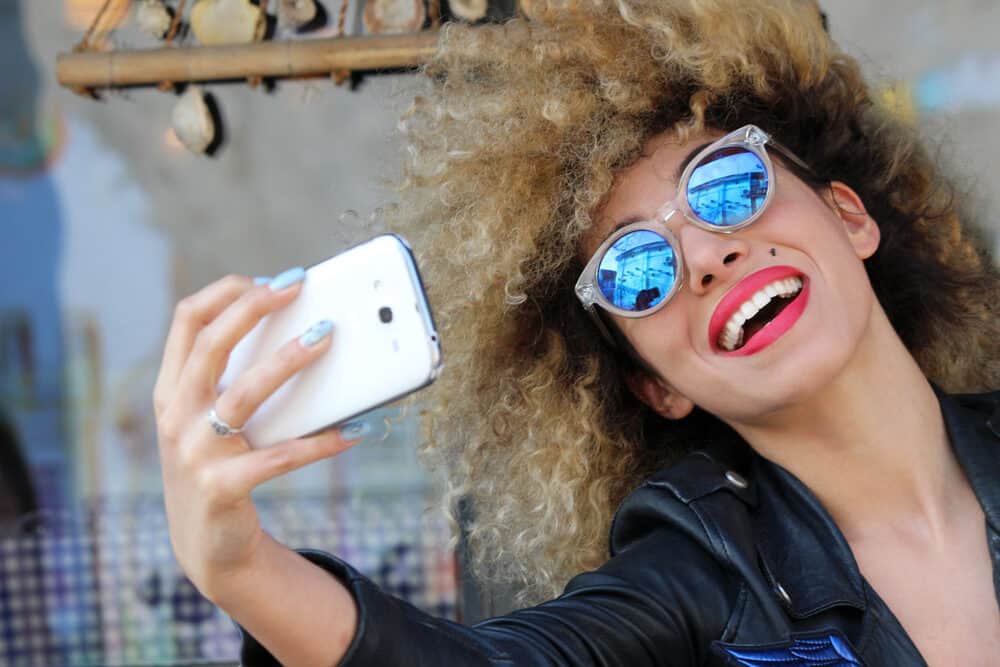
673,242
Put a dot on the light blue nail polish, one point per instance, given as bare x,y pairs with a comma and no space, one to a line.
316,332
261,280
354,430
287,279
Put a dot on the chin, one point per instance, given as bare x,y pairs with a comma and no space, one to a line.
796,380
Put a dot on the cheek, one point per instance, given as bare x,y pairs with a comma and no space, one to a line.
858,299
840,264
661,339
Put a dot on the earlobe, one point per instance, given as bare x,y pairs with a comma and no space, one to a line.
661,399
862,230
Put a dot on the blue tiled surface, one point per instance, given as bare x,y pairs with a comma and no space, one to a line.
101,587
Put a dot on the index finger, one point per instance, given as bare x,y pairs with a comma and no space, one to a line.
192,314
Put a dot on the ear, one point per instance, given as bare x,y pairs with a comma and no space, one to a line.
862,231
662,399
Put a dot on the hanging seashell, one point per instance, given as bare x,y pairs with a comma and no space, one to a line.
386,17
192,120
153,18
226,22
296,13
468,10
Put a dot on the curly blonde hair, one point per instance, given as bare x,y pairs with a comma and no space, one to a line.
510,152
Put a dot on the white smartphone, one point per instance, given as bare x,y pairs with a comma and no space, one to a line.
384,342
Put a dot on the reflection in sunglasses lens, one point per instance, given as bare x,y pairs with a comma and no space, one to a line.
637,271
727,187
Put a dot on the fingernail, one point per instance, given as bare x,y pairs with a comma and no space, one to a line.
316,332
261,280
287,279
354,430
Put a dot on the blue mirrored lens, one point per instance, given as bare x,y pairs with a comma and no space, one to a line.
727,187
637,271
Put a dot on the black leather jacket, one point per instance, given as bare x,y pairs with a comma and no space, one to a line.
722,559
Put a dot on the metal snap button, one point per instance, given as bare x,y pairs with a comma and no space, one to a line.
994,422
736,479
783,594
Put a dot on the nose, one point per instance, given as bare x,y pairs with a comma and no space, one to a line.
710,257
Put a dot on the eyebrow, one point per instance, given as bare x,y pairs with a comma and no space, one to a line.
682,165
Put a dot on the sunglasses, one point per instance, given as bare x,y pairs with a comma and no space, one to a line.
724,188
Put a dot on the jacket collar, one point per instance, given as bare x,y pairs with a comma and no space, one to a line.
973,423
803,553
802,550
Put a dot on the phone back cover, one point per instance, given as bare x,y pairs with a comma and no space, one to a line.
369,363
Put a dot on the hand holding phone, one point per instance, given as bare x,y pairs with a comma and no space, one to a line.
383,345
384,342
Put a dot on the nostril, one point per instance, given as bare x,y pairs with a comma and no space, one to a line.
731,257
706,280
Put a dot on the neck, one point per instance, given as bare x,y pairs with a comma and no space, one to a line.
871,445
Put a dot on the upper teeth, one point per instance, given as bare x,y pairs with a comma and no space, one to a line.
732,333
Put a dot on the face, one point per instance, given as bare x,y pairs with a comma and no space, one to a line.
785,357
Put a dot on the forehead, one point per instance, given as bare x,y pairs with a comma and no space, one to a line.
645,185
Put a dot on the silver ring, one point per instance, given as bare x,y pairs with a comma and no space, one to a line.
221,428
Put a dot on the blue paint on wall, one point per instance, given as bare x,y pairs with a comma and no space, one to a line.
973,82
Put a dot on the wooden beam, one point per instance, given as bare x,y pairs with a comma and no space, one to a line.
292,58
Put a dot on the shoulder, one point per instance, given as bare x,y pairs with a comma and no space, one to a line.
672,548
689,496
668,573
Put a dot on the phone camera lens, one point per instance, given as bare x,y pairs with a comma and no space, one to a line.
385,314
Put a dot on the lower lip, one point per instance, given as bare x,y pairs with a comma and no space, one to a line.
774,329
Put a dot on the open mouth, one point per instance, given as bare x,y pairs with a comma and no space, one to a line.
757,312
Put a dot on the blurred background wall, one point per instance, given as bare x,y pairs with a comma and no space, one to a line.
106,221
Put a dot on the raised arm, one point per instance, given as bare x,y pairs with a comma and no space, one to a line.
647,606
659,602
214,527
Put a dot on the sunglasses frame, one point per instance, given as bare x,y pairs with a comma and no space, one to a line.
749,137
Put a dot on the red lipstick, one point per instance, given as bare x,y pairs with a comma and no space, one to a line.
743,291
